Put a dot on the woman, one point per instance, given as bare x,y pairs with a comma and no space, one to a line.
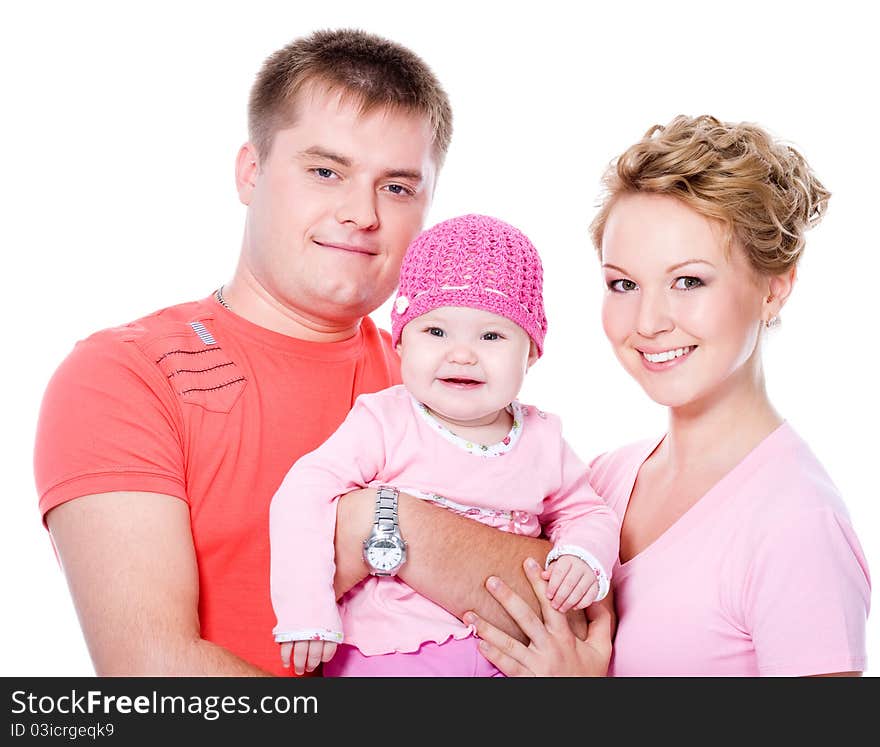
737,555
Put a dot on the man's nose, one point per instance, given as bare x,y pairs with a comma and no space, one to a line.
358,207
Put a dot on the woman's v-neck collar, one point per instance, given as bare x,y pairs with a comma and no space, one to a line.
761,451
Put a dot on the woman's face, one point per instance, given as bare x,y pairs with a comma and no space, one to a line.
683,315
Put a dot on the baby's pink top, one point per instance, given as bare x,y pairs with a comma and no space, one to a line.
532,479
764,575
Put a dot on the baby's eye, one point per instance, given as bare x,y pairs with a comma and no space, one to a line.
687,282
622,286
490,336
436,331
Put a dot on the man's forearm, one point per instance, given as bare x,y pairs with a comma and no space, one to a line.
449,557
197,658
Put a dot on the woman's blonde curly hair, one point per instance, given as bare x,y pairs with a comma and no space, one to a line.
761,190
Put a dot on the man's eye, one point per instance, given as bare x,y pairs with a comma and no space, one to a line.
436,331
399,189
622,286
687,282
324,173
491,336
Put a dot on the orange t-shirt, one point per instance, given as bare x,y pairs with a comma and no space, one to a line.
198,403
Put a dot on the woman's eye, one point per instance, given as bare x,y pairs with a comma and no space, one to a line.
436,331
622,286
687,282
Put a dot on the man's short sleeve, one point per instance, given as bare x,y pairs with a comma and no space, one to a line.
108,422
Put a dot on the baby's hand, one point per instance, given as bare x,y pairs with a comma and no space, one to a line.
572,584
306,654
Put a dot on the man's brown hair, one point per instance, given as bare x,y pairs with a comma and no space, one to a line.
377,72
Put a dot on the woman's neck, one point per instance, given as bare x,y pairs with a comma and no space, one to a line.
720,429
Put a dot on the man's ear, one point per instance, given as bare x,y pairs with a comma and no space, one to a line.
247,164
533,354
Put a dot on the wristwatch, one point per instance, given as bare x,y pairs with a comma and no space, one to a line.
384,549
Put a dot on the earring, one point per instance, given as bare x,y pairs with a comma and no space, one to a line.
773,321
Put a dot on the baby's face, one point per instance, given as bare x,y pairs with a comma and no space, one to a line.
464,364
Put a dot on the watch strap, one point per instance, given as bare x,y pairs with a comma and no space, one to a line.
385,519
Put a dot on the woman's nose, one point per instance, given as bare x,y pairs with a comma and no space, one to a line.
654,316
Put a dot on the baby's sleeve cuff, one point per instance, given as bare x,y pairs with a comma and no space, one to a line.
589,559
310,634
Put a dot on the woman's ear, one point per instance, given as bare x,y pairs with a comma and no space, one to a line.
779,288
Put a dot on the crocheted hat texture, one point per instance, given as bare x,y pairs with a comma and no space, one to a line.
476,261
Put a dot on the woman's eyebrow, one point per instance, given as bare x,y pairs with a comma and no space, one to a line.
690,262
609,266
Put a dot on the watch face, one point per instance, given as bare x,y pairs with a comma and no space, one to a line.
383,555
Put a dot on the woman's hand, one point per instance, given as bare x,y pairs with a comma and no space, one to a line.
553,651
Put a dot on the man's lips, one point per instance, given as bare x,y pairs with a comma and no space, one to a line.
354,248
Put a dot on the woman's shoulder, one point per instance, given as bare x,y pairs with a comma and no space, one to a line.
791,475
613,473
626,457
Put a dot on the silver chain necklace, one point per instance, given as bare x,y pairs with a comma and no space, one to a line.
218,294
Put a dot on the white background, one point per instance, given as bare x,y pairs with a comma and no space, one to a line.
121,122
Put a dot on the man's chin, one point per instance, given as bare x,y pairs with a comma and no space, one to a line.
344,307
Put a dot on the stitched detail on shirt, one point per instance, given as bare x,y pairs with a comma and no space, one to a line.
200,370
214,388
186,352
214,383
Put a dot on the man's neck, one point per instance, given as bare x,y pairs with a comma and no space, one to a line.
252,302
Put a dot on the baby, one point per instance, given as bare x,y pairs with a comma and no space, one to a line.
468,322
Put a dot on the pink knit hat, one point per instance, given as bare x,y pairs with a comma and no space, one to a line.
474,261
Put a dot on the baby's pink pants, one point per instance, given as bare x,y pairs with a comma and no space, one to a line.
450,659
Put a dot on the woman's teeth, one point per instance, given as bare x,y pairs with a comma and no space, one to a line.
667,355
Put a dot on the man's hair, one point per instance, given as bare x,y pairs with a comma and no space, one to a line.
760,189
376,72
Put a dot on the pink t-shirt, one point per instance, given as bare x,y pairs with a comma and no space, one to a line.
764,575
530,481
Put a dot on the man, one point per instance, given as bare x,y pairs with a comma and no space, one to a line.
161,443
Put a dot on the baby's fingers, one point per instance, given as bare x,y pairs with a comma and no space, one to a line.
567,587
300,654
589,597
558,572
286,648
577,594
316,650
